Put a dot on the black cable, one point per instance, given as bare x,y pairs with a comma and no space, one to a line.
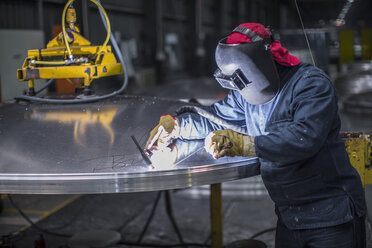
9,239
262,232
303,29
33,225
71,101
162,245
50,81
169,209
81,205
150,218
131,218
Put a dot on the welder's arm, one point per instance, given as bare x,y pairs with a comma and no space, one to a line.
314,109
194,126
229,143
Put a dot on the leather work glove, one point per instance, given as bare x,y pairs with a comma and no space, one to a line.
229,143
162,135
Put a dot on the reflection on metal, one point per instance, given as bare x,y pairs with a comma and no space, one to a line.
354,83
81,119
359,66
40,156
360,103
189,155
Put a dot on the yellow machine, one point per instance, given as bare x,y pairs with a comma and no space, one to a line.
70,55
358,146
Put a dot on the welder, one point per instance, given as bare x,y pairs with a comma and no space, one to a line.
289,110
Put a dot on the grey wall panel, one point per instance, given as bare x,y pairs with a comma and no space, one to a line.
18,14
13,49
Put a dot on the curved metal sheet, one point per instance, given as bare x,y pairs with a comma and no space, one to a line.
87,148
356,80
360,103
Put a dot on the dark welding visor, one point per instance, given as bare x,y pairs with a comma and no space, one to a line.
248,68
237,81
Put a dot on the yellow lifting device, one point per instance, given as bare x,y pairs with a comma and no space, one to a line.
70,55
358,146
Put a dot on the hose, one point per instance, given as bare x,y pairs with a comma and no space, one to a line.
212,117
50,62
45,86
64,27
97,98
33,225
101,10
108,28
151,216
262,232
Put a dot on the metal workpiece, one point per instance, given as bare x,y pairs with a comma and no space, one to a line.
356,80
359,103
87,148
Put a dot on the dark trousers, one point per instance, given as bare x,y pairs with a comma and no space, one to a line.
348,235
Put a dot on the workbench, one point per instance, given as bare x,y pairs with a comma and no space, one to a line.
87,149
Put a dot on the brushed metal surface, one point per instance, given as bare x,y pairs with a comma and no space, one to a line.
356,80
87,148
360,103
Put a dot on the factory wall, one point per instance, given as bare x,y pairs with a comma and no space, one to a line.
167,40
170,38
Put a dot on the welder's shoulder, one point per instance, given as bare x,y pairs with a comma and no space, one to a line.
311,78
309,71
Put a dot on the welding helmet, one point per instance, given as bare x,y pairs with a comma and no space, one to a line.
248,67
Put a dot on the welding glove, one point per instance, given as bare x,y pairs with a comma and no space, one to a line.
163,134
229,143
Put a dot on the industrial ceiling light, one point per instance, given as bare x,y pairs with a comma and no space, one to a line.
340,21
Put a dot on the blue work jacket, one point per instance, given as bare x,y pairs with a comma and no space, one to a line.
304,164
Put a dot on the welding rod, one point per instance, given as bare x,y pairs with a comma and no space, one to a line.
144,155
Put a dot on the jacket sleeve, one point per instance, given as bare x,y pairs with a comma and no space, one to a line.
193,126
314,114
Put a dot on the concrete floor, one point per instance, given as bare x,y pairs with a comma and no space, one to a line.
247,209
